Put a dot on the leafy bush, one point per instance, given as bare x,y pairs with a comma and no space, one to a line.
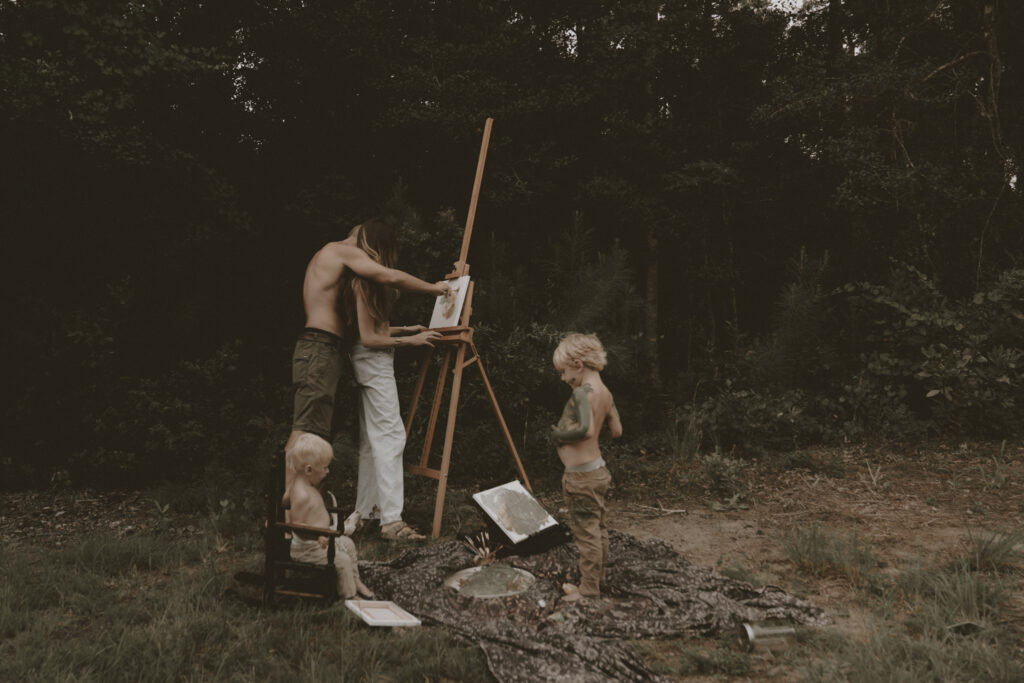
724,474
953,363
755,421
895,360
176,425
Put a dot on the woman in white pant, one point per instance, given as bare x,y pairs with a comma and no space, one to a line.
381,431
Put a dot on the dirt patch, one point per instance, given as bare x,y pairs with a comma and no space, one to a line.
907,507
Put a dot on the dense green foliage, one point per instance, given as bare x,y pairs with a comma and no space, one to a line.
656,169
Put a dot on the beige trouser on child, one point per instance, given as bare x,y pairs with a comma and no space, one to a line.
309,550
584,494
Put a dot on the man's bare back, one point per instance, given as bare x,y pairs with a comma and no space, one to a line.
320,286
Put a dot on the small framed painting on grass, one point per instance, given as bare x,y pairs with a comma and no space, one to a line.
381,613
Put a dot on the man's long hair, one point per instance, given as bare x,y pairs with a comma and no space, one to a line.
377,239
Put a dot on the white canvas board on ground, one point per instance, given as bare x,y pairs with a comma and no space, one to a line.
445,314
515,511
381,613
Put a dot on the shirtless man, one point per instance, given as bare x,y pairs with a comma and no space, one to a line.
579,359
316,362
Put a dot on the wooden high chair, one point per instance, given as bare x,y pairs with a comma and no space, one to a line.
283,576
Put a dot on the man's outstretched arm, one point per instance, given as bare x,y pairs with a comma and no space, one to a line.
364,266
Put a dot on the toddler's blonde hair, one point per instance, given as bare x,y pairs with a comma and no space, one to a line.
308,449
582,347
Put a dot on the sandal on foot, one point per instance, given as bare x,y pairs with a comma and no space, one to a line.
400,531
353,523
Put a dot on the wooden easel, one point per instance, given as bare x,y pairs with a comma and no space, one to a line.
459,353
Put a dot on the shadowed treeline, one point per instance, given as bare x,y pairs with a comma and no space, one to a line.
787,229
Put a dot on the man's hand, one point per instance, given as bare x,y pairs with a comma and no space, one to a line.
323,541
444,289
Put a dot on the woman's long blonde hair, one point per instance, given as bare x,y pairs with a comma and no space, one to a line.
377,239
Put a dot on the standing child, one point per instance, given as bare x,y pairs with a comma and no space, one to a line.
308,457
580,358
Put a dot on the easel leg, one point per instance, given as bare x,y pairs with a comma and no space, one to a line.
424,366
442,379
501,420
449,432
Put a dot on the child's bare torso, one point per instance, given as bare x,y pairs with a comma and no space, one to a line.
588,448
306,504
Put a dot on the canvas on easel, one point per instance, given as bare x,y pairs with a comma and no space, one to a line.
447,311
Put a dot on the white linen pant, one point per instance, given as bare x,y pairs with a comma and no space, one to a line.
381,435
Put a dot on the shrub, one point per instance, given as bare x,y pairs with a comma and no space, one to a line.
724,474
954,363
753,421
895,360
175,425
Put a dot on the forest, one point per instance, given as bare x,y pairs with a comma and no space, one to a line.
790,223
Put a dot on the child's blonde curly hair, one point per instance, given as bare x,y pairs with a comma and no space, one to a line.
586,348
308,449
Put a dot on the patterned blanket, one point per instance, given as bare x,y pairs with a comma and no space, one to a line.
652,592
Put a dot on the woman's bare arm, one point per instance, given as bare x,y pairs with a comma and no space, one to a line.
374,336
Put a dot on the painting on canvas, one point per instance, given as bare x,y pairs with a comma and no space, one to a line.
447,312
514,510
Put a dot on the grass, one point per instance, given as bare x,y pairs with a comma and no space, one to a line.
146,608
890,655
154,606
994,550
820,552
937,622
684,658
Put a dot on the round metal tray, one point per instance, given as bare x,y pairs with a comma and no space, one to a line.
511,581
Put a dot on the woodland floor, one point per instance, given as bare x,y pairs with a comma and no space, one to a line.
908,505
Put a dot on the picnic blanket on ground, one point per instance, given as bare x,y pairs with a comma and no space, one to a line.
653,592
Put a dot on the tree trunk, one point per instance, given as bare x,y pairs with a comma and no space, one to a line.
651,320
833,35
